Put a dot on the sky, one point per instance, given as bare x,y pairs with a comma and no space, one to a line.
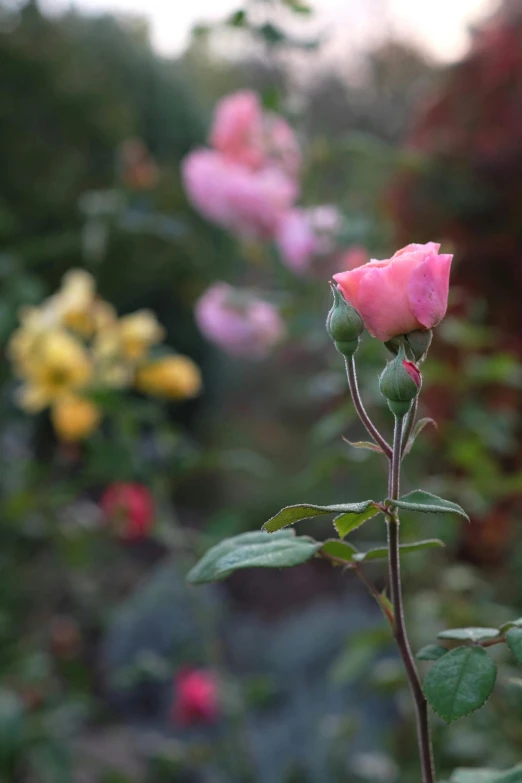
439,26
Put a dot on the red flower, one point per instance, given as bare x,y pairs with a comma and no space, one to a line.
413,371
130,507
196,697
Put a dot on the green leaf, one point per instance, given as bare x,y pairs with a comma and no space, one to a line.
381,552
253,550
290,514
487,775
237,19
345,523
474,776
432,652
341,550
298,7
469,634
419,426
364,444
514,642
460,682
419,500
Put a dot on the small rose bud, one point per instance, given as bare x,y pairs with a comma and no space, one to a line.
344,324
400,383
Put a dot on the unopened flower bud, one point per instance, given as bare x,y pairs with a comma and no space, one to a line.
419,342
416,344
400,383
344,324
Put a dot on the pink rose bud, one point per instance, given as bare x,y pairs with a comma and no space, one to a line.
239,322
400,383
248,203
196,697
130,508
413,371
398,295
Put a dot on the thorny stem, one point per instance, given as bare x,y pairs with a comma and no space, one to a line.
359,407
401,637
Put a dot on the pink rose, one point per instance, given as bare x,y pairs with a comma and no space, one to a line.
238,322
196,697
296,240
237,130
248,203
406,292
130,507
246,134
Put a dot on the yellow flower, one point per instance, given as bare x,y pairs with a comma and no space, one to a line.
76,300
59,366
138,332
74,418
176,377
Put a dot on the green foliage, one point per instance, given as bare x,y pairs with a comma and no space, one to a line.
460,682
253,550
381,552
417,429
514,642
469,634
431,652
346,523
419,500
290,514
487,776
341,550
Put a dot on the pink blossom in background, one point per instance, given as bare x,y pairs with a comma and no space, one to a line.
281,145
196,697
240,323
257,139
296,239
237,130
398,295
130,507
356,256
248,203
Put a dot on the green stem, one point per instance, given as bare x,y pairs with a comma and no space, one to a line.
408,427
400,633
359,407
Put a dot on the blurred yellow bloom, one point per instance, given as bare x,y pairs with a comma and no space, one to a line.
138,332
75,301
74,418
176,377
60,365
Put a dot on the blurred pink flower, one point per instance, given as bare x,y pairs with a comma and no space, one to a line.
296,239
240,323
248,203
130,507
246,134
398,295
356,256
196,697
